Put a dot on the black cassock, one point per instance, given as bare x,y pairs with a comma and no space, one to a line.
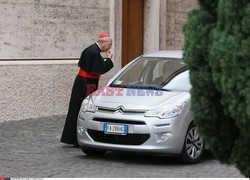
90,61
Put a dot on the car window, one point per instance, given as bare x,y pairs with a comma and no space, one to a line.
133,74
180,82
148,72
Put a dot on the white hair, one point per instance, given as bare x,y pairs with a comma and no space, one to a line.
103,39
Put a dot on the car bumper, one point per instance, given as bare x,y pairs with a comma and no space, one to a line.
145,135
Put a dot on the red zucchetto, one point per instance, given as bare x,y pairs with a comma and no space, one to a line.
104,35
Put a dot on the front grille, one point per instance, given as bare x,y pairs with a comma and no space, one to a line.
129,139
119,121
123,111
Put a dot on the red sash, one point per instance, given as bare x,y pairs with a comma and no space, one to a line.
88,74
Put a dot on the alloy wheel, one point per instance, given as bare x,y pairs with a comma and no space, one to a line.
194,144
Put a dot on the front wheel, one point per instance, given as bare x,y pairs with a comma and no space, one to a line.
93,152
194,146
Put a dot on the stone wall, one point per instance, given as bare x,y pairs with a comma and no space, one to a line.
176,17
30,91
163,23
50,28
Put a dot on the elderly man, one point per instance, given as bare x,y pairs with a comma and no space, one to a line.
91,66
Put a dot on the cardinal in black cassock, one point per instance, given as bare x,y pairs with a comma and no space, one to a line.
91,66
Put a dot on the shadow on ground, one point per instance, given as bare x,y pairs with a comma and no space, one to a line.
132,158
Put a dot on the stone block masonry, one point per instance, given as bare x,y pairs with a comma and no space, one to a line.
50,29
177,11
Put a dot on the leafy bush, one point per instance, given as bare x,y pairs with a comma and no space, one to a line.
217,51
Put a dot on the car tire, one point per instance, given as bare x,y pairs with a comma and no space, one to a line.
194,146
93,152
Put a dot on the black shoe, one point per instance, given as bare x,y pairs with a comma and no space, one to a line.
76,144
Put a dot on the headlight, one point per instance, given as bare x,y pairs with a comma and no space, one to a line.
88,105
168,111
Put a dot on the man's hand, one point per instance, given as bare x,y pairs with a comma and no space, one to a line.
109,54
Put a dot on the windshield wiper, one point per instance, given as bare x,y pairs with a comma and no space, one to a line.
157,88
116,85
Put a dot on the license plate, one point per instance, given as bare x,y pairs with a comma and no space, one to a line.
115,129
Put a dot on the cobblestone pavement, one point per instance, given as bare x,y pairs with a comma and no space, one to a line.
31,148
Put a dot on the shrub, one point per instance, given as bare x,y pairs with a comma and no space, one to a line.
217,51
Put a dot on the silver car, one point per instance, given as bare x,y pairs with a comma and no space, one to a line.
144,108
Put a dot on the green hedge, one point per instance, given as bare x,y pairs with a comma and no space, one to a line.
217,51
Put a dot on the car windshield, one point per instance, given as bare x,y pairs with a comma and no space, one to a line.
155,73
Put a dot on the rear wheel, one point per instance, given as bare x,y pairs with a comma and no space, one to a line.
194,146
93,152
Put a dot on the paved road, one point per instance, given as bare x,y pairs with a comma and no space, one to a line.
31,148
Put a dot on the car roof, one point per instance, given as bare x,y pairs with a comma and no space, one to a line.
169,54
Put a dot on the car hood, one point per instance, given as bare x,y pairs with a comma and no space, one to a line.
137,99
